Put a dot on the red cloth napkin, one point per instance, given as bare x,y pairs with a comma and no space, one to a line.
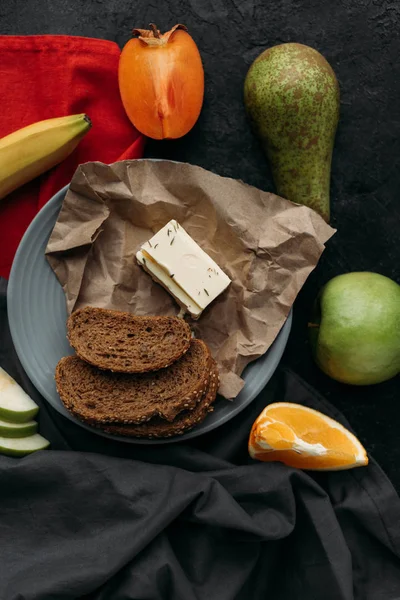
51,76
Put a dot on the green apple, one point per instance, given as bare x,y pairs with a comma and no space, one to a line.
15,404
355,328
17,430
23,446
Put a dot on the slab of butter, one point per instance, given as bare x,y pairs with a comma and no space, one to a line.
174,260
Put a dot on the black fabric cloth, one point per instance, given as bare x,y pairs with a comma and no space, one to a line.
99,520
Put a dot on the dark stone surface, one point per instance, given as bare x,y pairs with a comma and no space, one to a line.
360,39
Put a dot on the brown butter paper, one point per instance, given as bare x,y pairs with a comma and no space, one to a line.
267,245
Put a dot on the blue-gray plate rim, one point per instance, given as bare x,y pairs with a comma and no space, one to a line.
37,317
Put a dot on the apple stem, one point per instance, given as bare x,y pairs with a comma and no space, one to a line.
313,325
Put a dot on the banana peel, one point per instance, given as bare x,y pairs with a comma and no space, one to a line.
30,151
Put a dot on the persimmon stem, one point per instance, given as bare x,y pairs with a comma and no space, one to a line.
155,31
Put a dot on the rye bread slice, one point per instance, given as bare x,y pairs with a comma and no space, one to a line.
97,396
126,343
186,420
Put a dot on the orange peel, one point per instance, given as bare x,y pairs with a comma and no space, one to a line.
304,438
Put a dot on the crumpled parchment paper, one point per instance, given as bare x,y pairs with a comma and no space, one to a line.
267,245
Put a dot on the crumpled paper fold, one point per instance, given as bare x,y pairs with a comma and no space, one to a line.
267,245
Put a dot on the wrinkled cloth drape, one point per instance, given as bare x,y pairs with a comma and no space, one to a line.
46,76
100,520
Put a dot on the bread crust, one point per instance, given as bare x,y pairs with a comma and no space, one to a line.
100,397
157,428
126,343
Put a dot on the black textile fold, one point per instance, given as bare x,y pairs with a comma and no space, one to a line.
100,520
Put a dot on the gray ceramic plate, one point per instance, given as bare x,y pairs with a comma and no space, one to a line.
37,316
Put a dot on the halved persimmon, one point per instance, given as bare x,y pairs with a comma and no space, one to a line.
304,438
161,81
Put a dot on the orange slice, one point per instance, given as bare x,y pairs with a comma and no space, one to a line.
304,438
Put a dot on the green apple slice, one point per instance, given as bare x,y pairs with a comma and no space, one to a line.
17,430
15,404
23,446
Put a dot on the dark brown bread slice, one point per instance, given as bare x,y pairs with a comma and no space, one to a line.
97,396
126,343
158,428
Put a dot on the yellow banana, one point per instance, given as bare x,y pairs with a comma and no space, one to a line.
31,151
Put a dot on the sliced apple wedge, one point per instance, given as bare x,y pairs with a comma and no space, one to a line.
17,430
23,446
15,404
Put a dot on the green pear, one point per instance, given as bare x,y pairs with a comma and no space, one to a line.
355,328
291,95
